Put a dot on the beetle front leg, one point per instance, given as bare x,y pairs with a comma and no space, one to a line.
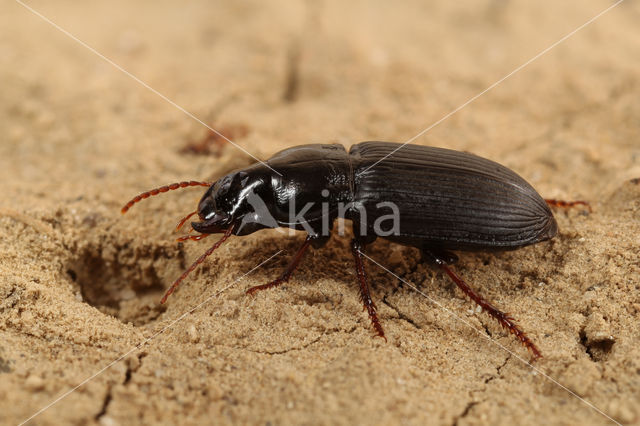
442,259
315,241
365,296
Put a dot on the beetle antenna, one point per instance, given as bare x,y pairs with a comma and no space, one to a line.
201,259
165,188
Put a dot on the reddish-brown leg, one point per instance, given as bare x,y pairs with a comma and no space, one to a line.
287,272
365,296
503,318
567,204
192,237
193,266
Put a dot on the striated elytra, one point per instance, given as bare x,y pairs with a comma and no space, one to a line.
433,199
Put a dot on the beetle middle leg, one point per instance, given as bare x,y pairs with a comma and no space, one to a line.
284,277
443,258
365,296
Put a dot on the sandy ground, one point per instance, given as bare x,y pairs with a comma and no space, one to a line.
80,284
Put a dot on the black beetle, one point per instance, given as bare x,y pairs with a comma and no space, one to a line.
438,200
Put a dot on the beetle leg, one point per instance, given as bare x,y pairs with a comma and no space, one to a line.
505,320
365,296
287,272
195,264
192,237
567,204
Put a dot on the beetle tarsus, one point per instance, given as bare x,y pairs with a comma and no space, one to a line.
505,320
365,295
567,204
287,272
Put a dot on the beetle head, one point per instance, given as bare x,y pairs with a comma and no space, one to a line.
233,200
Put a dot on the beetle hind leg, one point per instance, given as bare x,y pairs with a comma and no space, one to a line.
442,259
568,204
365,295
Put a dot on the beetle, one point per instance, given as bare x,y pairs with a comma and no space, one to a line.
441,200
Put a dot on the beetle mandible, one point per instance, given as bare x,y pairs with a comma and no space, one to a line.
445,200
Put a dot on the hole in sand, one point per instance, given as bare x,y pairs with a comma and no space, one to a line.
598,350
126,280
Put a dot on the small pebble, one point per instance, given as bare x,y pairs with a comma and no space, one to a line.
34,383
624,411
107,421
192,333
597,329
